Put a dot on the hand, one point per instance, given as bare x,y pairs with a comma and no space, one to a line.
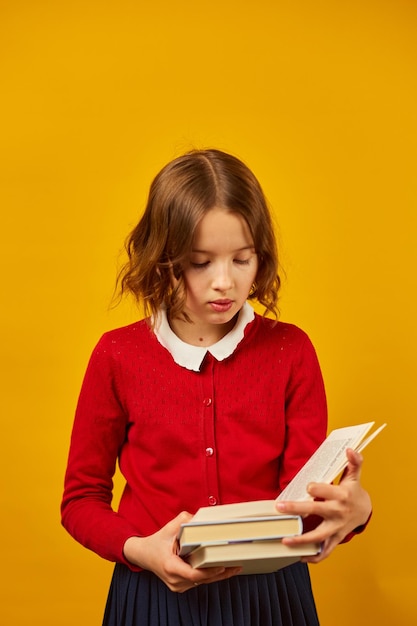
342,507
158,553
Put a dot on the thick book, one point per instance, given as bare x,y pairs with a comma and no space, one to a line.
254,557
243,521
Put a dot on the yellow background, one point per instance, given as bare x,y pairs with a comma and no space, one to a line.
319,98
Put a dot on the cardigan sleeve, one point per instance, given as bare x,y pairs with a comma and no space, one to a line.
305,411
98,433
306,422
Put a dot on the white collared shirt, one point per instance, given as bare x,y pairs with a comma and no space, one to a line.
191,357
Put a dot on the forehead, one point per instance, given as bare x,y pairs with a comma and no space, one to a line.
221,229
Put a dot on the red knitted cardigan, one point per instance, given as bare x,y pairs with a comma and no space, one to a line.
237,430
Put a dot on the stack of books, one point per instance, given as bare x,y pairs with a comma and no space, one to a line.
249,534
246,534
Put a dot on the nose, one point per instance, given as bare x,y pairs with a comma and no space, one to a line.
222,278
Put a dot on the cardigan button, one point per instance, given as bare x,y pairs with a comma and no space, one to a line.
212,500
209,451
207,401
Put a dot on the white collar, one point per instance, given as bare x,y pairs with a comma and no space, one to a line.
191,357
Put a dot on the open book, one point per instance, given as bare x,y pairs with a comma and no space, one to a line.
250,533
329,460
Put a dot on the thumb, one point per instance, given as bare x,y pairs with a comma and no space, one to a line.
354,466
174,525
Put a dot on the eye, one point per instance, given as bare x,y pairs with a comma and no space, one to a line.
242,261
199,265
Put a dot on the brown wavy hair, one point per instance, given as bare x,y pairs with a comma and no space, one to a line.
179,197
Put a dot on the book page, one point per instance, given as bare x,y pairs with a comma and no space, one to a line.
328,460
372,436
258,508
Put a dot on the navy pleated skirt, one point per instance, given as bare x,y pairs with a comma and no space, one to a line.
283,598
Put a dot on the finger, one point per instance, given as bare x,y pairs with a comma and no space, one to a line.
181,576
327,547
173,526
318,491
202,575
211,574
207,579
354,466
322,491
302,508
317,535
320,534
182,518
354,457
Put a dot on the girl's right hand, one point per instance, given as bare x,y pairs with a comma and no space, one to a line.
158,553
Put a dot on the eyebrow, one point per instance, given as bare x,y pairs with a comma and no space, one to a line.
237,250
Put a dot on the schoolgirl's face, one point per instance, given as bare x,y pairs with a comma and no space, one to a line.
218,276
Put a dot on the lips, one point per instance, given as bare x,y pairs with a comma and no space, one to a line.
221,306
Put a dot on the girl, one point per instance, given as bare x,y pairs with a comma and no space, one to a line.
202,402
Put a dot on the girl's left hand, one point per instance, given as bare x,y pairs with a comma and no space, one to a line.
342,507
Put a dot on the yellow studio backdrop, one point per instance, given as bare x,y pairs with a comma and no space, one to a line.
319,98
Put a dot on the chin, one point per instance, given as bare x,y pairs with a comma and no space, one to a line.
224,318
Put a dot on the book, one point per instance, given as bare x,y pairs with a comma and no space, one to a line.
255,557
329,460
257,552
243,521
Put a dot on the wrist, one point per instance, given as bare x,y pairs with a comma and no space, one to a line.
361,527
132,549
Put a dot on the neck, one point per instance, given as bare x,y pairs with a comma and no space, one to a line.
200,335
